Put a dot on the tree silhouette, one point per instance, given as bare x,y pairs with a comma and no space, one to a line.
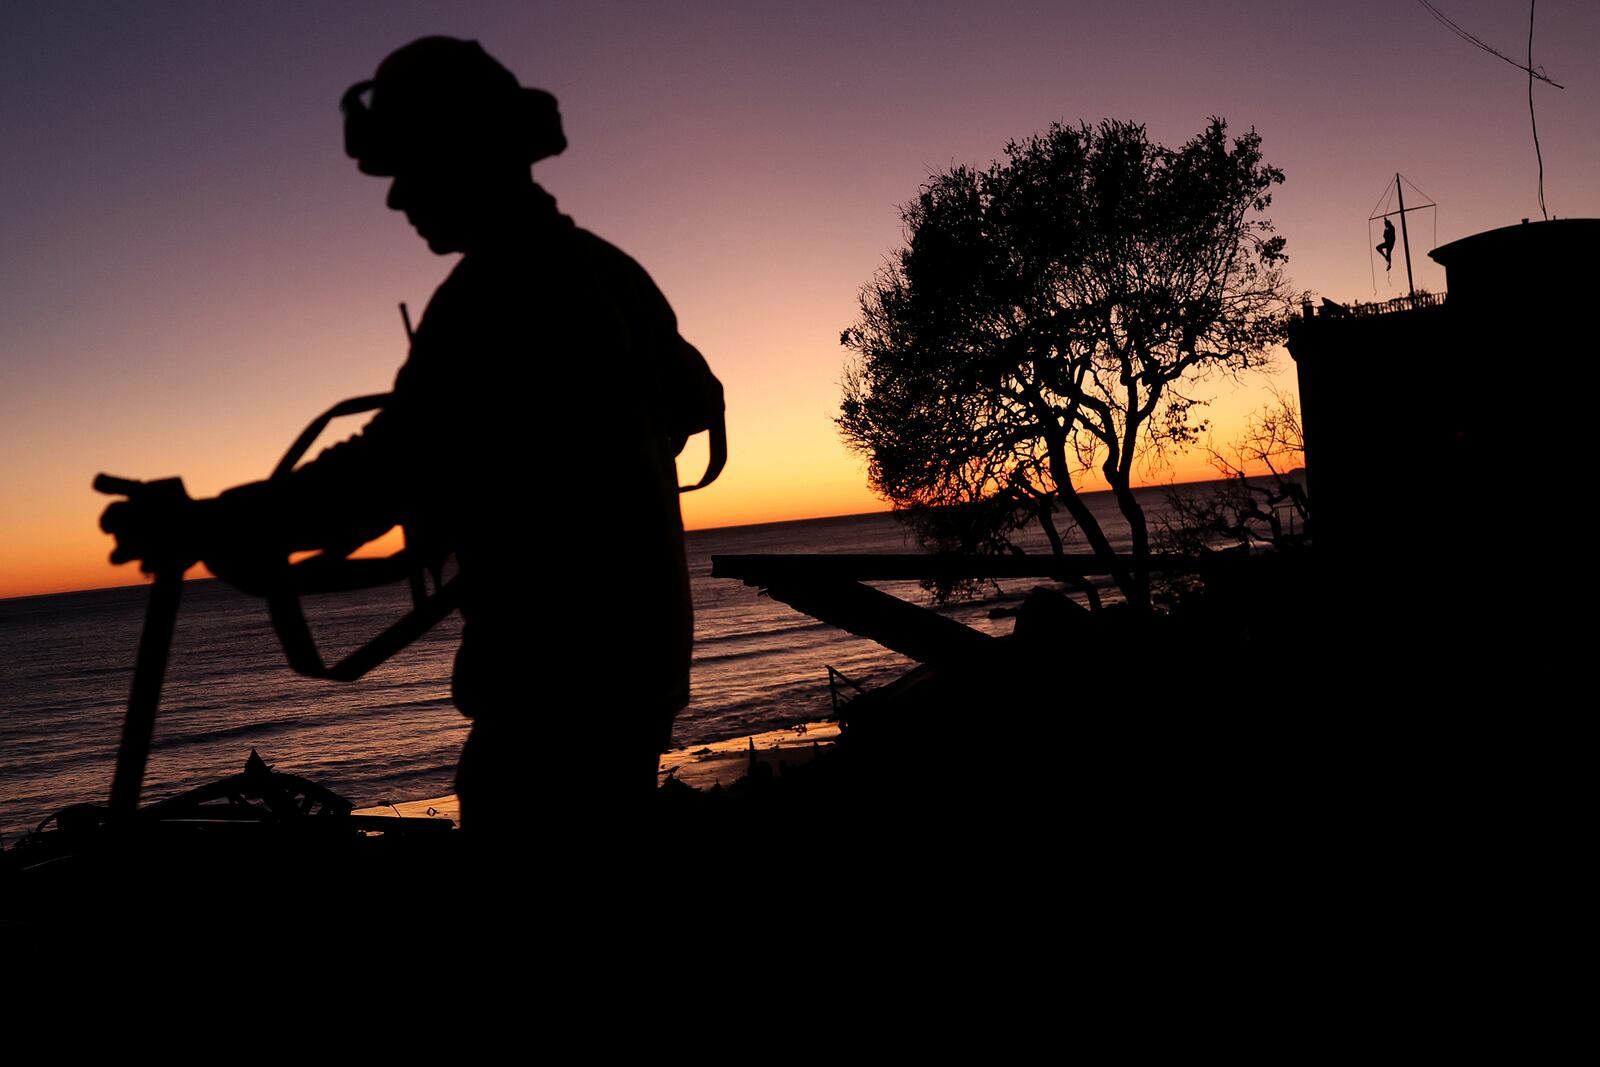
1249,507
1046,318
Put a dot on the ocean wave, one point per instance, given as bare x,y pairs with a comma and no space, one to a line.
758,664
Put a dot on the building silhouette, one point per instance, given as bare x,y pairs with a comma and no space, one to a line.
1442,441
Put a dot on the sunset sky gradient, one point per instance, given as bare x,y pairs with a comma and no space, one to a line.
193,269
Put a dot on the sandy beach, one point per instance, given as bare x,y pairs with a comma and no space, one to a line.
717,763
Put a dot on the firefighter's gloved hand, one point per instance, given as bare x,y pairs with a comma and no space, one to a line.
158,524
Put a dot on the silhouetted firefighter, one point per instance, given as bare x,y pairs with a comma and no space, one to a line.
531,433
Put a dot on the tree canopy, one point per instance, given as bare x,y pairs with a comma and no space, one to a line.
1047,316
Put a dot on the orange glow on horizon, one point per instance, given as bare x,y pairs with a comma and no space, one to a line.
70,555
787,463
195,276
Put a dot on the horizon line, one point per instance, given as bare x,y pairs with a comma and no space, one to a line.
687,530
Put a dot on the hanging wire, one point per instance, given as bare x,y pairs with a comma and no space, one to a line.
1426,205
1472,39
1428,199
1372,266
1381,208
1533,73
1531,119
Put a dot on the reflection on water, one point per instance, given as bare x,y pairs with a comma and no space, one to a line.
394,735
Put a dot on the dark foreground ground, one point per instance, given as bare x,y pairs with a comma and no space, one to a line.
1125,777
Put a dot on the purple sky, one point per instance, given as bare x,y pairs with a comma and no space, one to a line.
193,268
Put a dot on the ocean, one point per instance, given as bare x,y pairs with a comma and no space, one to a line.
394,735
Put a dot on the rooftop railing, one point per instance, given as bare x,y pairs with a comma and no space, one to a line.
1331,309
